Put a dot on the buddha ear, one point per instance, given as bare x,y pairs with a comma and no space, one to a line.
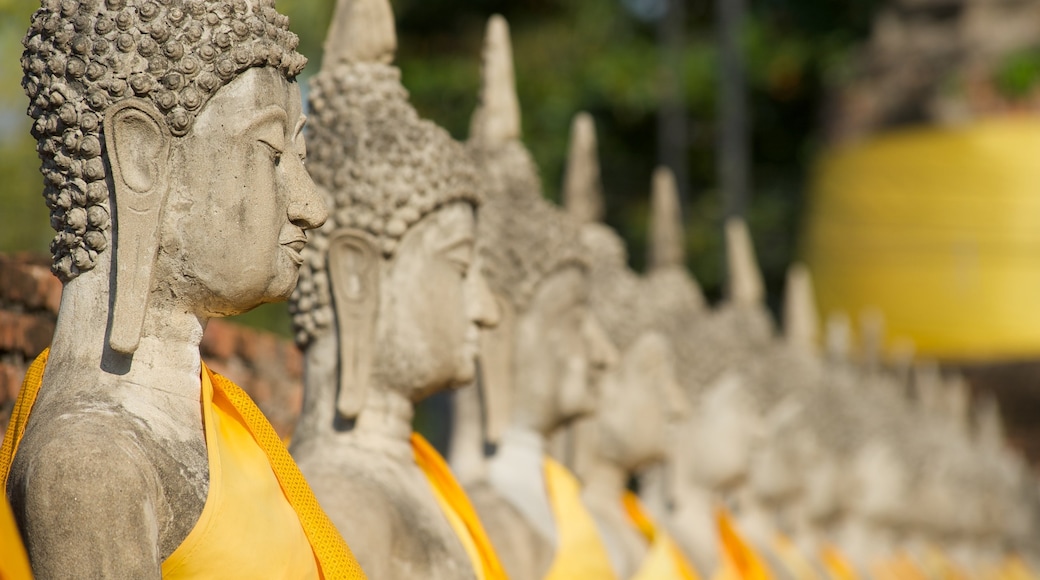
354,277
138,144
496,370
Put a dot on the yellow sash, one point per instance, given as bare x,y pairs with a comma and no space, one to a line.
940,566
1015,568
739,560
580,552
459,511
798,566
836,564
229,413
664,561
14,564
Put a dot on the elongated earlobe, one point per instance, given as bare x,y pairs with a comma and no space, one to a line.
496,369
138,144
354,277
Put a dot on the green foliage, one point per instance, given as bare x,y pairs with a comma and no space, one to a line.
1018,74
571,55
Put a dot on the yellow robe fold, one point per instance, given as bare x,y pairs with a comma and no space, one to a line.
14,565
798,566
739,560
260,514
457,508
836,564
580,553
665,561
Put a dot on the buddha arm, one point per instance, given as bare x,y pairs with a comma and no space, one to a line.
89,507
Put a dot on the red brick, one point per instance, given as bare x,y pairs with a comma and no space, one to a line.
255,347
11,377
219,340
293,361
27,334
26,282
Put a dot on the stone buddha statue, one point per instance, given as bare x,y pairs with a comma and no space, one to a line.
640,396
540,365
388,310
170,139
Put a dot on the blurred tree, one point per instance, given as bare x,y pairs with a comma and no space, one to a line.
601,56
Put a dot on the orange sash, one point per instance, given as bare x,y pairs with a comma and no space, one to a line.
836,564
460,513
739,560
665,561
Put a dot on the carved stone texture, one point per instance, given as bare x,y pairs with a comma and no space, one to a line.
82,57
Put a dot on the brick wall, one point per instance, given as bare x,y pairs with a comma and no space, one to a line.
268,367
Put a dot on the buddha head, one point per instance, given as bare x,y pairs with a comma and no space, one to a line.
172,154
391,287
645,399
541,364
719,436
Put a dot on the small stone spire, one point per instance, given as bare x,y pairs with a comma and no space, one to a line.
361,31
667,235
745,279
958,401
801,321
928,385
989,423
497,118
872,331
582,188
839,337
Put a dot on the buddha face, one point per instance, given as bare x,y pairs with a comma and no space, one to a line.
719,436
644,400
880,483
822,493
433,302
240,200
559,353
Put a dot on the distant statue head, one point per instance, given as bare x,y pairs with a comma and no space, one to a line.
719,436
393,278
541,362
162,128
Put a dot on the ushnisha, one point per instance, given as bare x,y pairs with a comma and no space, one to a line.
171,147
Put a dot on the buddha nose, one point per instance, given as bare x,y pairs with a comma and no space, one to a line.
601,351
484,310
307,208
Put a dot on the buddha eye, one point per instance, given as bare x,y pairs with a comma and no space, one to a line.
273,152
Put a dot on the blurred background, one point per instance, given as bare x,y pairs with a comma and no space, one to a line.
891,144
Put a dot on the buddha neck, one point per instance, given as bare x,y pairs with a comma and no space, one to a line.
167,358
517,472
694,502
604,482
755,518
384,425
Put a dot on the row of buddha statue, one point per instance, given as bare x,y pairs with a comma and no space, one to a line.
172,141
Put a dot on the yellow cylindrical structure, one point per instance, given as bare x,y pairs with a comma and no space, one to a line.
940,230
